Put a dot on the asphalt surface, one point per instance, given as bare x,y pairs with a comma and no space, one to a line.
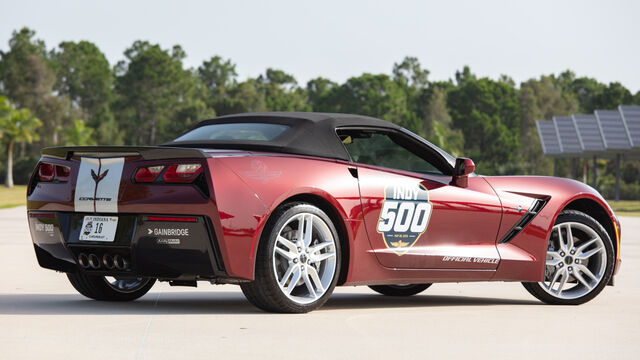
41,316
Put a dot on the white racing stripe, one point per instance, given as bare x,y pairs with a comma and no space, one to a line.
85,186
98,185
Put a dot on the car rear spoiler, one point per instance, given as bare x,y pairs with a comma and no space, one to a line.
147,152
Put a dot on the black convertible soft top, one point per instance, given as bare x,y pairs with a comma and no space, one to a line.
310,133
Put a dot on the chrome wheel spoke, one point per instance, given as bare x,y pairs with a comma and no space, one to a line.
569,238
287,243
126,285
322,257
287,275
307,282
555,258
294,280
556,275
313,274
585,270
582,247
320,247
286,254
565,277
586,255
308,230
120,284
561,240
581,280
553,262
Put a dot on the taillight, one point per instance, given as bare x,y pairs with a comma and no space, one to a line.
62,173
148,174
184,173
51,172
46,172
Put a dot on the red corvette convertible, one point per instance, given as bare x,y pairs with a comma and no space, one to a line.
289,205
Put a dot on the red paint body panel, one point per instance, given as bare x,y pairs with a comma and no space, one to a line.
265,182
464,221
532,241
246,187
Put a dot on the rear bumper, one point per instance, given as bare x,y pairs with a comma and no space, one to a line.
172,247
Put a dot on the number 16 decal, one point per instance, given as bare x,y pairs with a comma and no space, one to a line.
404,217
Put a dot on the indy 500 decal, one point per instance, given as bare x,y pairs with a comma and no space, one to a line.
405,214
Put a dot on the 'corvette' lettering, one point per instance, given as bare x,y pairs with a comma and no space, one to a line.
85,198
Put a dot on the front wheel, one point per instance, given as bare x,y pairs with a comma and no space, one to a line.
108,288
399,289
579,262
298,261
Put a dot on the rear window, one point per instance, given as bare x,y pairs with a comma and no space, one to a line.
236,132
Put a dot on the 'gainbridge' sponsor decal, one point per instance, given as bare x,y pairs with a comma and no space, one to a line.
404,217
98,184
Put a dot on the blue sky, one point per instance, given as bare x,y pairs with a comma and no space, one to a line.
339,39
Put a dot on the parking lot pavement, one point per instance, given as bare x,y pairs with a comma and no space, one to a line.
41,316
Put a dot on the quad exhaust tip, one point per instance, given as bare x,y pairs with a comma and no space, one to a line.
92,261
107,261
83,260
120,262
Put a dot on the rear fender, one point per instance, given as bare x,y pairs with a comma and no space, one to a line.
276,180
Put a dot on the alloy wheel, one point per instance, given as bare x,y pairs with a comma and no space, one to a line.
576,261
304,258
125,285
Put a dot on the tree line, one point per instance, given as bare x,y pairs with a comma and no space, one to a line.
74,96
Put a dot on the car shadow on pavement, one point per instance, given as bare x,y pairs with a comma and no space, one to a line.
372,301
166,303
219,302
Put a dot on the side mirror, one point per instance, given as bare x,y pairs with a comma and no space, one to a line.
461,171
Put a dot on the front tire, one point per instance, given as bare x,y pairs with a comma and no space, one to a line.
399,290
579,263
298,261
108,289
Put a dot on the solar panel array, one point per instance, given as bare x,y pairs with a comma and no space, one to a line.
613,130
631,118
548,137
588,132
603,132
568,135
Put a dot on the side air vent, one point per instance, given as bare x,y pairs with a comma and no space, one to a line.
538,204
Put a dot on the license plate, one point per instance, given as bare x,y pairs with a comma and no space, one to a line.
99,228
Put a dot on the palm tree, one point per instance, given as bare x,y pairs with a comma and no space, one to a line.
78,134
16,126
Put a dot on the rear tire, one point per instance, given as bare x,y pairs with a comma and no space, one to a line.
100,288
298,261
579,263
399,290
